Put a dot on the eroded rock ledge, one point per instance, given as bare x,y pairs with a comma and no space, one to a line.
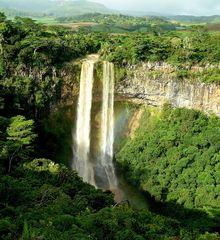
156,85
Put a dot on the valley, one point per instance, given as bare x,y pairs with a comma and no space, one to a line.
109,124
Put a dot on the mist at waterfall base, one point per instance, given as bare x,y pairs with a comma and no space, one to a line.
99,127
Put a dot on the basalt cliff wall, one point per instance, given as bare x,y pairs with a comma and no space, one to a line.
156,84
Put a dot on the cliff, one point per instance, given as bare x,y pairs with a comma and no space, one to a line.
156,84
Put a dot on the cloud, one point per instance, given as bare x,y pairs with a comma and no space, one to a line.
196,7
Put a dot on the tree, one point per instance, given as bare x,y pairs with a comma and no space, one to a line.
20,135
2,17
26,232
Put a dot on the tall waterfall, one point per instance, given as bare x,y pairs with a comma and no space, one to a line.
107,125
82,162
96,169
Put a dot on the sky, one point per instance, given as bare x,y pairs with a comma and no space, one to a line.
194,7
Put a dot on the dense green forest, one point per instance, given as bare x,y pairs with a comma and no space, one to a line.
175,158
43,199
197,47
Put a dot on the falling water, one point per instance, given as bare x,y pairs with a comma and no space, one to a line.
82,162
98,171
95,163
107,125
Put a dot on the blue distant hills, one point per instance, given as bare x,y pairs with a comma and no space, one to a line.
69,8
51,7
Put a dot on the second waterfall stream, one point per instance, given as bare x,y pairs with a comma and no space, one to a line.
99,169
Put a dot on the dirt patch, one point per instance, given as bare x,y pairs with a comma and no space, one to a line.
135,122
77,25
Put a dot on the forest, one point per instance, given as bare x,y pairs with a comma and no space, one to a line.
174,158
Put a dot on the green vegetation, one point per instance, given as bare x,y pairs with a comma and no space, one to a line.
42,199
113,23
195,19
32,57
175,158
198,47
193,56
210,75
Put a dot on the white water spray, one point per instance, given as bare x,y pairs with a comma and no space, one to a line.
82,162
107,125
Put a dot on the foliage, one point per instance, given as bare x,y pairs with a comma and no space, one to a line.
32,59
46,200
17,143
176,158
43,199
193,57
197,47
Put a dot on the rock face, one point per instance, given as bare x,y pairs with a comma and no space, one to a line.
156,84
70,75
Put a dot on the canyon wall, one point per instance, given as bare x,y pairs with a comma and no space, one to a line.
156,84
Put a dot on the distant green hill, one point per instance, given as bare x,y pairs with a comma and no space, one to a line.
68,8
72,8
118,23
56,8
196,19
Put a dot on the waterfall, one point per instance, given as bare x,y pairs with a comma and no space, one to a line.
98,171
82,163
107,125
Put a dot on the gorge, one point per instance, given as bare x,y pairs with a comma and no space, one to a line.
143,93
95,164
109,135
101,124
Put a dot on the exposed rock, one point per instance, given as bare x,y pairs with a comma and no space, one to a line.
134,123
146,88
